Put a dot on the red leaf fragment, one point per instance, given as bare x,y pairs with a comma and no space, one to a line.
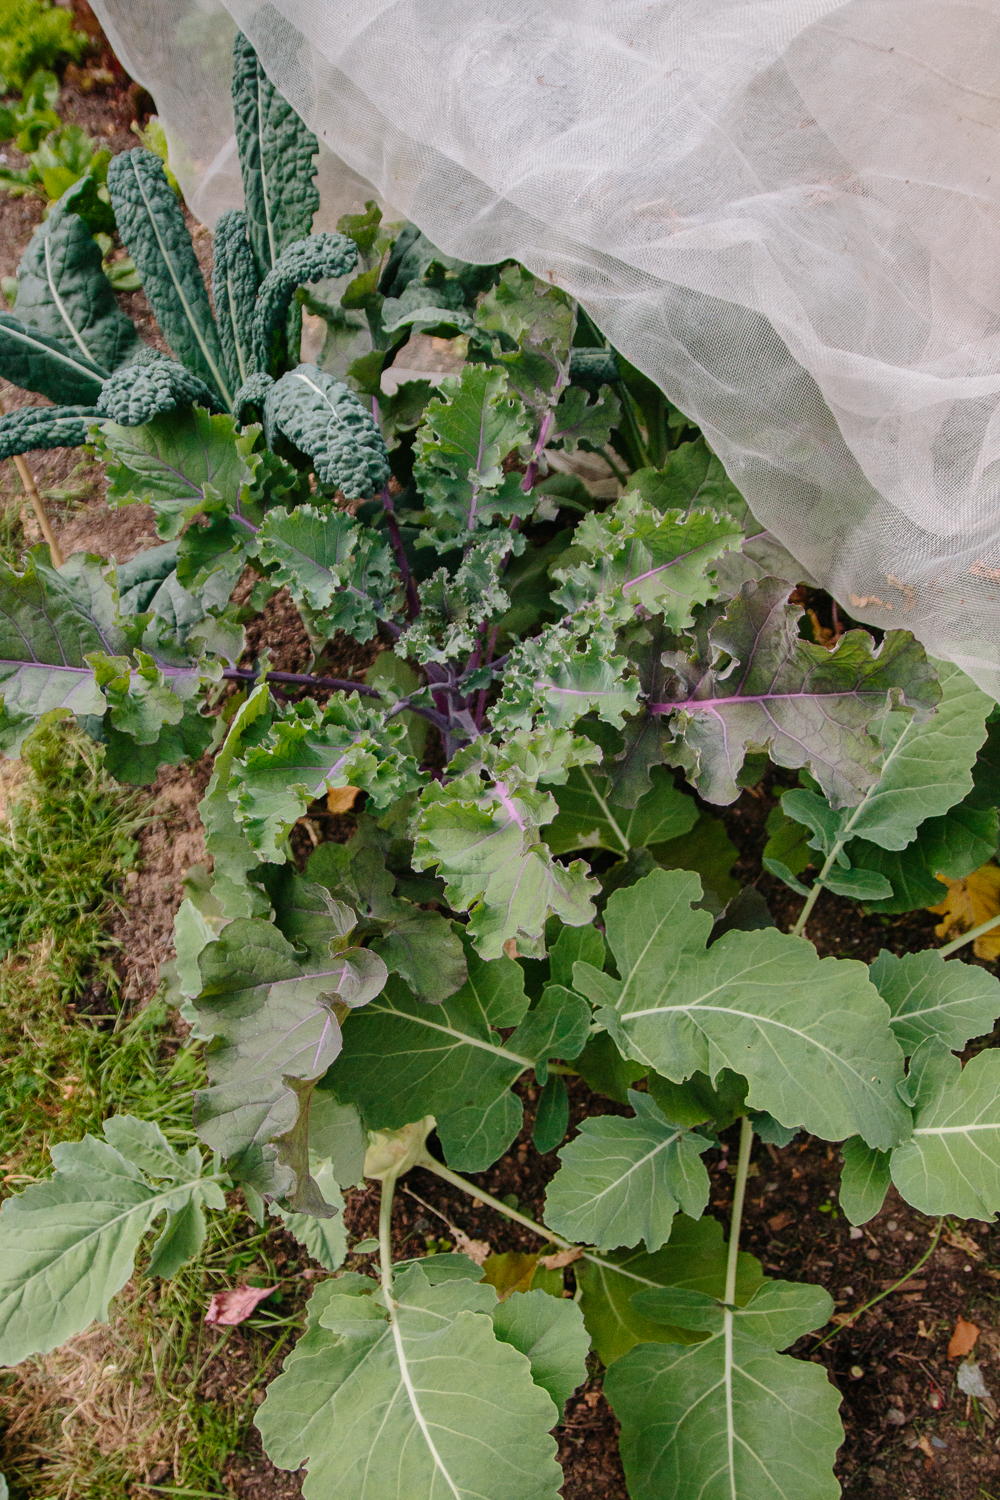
235,1305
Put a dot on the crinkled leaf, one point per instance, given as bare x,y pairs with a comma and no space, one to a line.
314,258
692,478
804,705
330,563
727,1418
588,820
33,427
550,678
152,227
951,1163
435,1396
810,1035
694,1258
149,386
578,419
623,1180
929,997
454,606
235,279
69,1242
325,419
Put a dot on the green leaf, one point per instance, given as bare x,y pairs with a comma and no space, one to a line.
551,1115
271,1015
449,1061
728,1418
694,1258
63,292
549,1332
38,362
707,850
459,448
485,841
307,751
951,1163
953,845
931,998
152,227
578,419
692,478
315,258
182,464
433,1393
622,1181
588,820
699,1100
235,280
864,1181
44,427
337,1135
604,1068
339,569
325,420
551,679
276,159
455,606
810,1035
324,1239
225,840
69,1242
805,705
638,556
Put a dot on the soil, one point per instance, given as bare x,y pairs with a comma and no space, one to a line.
910,1432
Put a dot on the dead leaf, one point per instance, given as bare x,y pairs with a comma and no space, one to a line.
560,1258
780,1221
511,1272
964,1242
477,1250
968,902
235,1305
963,1339
340,799
925,1446
510,948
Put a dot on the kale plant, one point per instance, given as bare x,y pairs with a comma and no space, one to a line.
530,892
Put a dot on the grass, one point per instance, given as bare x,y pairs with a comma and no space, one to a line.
153,1402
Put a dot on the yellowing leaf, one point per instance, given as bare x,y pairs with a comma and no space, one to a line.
340,799
969,902
511,1272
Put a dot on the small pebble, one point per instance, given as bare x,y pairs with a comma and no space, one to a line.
856,1233
892,1226
856,1372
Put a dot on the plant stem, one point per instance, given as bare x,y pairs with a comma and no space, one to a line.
238,674
38,506
889,1290
470,1188
739,1193
385,1240
968,937
399,552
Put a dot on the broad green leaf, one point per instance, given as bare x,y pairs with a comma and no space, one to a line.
707,850
864,1181
485,840
337,1135
68,1244
37,361
235,279
449,1061
330,563
727,1418
578,419
589,820
460,446
957,843
152,227
931,997
225,839
778,1313
325,420
694,1258
622,1181
640,556
575,943
692,478
272,1019
810,1035
276,159
951,1163
549,1332
551,1115
324,1239
698,1100
805,705
307,751
431,1394
63,291
183,464
605,1070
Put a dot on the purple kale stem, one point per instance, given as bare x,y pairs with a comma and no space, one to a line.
481,702
396,536
238,674
531,473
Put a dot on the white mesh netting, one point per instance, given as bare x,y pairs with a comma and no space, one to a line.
783,211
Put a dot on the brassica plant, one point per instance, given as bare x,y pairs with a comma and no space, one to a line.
521,898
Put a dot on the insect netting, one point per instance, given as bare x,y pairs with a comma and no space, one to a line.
783,211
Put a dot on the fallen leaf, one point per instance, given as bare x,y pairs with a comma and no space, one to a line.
340,799
477,1250
561,1258
924,1444
513,1271
235,1305
969,902
960,1241
963,1339
780,1221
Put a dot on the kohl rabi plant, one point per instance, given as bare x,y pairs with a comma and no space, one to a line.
521,898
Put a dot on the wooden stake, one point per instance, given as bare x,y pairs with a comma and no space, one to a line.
38,505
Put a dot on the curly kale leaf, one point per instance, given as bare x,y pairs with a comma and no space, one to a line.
454,606
459,451
276,158
310,750
38,362
235,280
752,683
150,385
325,420
568,670
152,227
334,567
483,832
318,257
44,427
62,291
